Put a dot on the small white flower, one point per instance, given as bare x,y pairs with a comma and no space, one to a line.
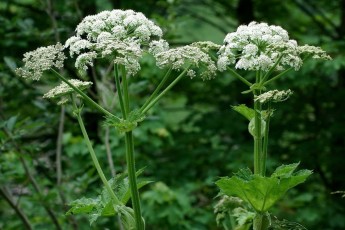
142,32
63,90
191,73
250,50
222,63
40,60
84,60
158,46
187,57
315,52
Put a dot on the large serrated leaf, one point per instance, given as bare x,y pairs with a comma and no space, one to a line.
263,192
244,111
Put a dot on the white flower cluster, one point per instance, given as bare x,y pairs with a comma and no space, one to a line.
274,96
118,35
190,57
156,47
41,59
314,51
259,46
63,90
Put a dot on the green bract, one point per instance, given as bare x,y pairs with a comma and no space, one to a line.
263,192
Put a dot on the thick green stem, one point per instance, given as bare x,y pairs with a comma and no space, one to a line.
130,158
159,87
261,221
93,155
85,97
257,136
133,180
265,144
154,101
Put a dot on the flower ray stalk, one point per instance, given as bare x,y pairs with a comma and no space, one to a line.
277,76
234,73
154,101
159,87
93,154
238,76
271,70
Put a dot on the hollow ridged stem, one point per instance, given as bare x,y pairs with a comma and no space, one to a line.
265,144
257,137
133,180
130,156
257,132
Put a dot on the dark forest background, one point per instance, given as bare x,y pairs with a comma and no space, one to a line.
193,136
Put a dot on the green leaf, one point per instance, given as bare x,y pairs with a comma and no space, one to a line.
10,123
103,205
120,184
263,192
83,205
285,171
244,111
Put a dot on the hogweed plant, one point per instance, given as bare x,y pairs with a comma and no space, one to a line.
120,38
268,51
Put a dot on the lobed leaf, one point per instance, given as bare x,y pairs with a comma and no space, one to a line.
83,205
244,111
263,192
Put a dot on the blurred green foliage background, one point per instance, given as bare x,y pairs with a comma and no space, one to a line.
191,139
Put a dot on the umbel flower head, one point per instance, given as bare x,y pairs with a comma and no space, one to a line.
273,96
118,35
189,56
259,46
41,59
64,90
